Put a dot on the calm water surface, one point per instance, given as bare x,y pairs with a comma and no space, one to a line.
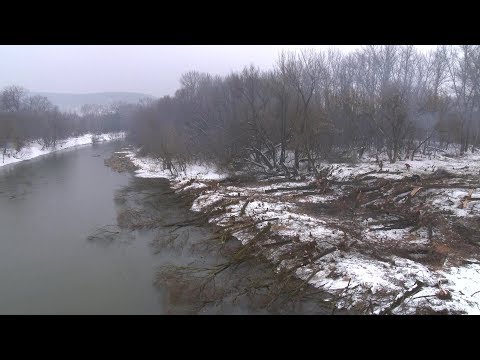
48,207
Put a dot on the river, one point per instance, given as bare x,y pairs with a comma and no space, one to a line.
49,206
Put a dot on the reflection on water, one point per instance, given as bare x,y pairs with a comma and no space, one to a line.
197,271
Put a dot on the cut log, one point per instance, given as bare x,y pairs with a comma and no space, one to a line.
467,199
415,191
358,177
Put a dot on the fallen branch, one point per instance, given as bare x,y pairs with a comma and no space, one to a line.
306,187
417,287
324,253
467,199
365,174
252,224
242,212
188,183
315,258
279,243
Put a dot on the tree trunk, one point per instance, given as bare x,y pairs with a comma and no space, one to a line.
283,135
297,158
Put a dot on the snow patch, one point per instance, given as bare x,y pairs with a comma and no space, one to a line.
36,148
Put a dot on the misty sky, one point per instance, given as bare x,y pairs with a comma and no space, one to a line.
153,70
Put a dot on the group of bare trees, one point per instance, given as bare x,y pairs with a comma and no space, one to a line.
312,105
26,118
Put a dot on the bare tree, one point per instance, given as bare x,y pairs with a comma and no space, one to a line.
11,98
38,104
303,72
462,85
388,99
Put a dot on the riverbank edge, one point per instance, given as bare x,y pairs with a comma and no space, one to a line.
420,282
34,149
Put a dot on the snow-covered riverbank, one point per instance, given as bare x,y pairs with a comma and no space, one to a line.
36,148
378,240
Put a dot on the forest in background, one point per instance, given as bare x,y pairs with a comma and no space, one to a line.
317,105
25,118
311,106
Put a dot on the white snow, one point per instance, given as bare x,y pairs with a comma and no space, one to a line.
357,277
464,285
204,201
35,148
153,168
460,165
451,199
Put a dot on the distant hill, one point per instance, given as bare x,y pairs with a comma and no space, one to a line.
73,102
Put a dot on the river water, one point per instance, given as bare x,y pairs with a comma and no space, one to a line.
48,208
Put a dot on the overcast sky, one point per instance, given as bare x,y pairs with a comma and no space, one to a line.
153,70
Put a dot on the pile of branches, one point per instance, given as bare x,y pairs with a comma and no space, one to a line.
120,163
401,205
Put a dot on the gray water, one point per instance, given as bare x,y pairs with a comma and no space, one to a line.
48,208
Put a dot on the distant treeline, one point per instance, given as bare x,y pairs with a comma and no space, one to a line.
312,105
25,118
